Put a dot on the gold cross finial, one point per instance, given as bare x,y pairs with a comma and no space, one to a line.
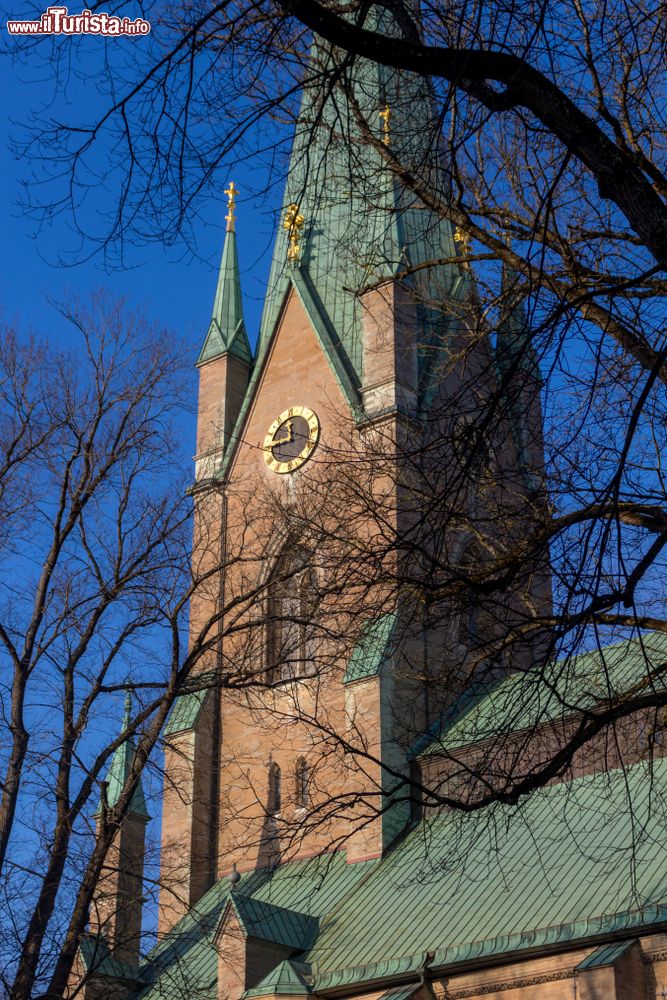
385,116
293,225
231,193
465,242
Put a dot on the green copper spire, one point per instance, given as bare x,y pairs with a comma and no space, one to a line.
121,765
360,225
227,332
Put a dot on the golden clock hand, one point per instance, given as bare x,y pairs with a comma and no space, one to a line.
286,440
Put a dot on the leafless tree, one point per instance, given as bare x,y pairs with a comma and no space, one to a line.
98,593
553,135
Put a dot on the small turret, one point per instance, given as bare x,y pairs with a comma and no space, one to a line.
225,361
116,910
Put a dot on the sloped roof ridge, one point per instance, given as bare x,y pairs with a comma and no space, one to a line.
199,915
474,696
621,924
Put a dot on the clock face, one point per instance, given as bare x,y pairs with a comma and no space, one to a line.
291,438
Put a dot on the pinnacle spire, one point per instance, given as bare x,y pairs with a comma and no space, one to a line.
121,765
227,332
128,710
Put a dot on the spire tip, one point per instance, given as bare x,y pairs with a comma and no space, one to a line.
231,193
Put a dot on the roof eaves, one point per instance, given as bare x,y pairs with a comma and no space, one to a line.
550,938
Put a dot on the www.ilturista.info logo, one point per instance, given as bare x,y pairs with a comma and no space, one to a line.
57,21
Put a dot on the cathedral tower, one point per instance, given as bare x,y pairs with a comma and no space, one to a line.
305,750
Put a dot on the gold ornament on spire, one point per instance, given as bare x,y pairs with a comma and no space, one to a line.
386,118
464,241
231,193
293,225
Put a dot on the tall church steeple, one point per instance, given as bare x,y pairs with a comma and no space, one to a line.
363,228
225,360
227,332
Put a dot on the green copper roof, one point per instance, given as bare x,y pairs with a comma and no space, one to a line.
227,332
285,980
372,649
268,922
607,954
96,958
185,712
185,962
360,225
572,862
542,694
119,770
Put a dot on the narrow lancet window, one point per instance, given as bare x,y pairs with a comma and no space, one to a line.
274,796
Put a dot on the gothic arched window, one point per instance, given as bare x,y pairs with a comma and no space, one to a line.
301,778
291,608
275,792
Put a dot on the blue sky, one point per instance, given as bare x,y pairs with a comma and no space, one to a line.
173,286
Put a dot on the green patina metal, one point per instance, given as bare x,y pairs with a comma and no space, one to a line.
227,332
361,226
605,955
277,924
185,712
285,980
400,993
185,962
372,650
544,694
506,880
97,959
563,866
120,767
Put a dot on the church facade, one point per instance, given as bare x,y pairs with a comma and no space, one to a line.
317,835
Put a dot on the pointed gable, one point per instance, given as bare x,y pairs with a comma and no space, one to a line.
263,920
